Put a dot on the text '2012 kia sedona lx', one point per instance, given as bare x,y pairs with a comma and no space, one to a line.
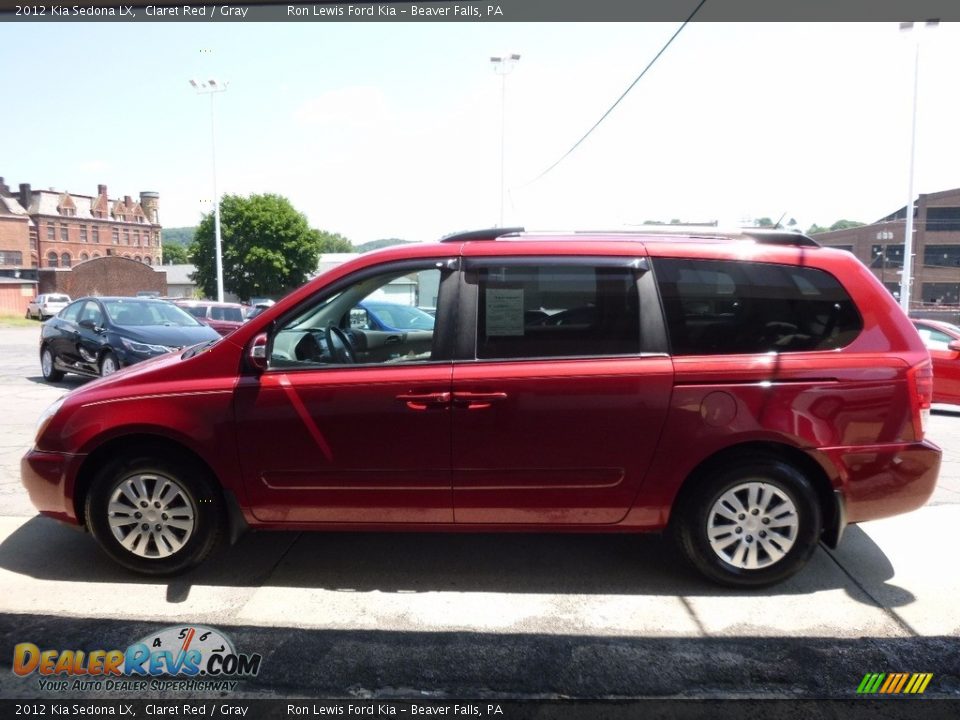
750,393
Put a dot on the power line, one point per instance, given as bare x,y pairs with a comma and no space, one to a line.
625,92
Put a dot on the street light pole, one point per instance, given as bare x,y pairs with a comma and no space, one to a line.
211,87
502,66
906,279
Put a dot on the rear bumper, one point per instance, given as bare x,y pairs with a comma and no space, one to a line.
884,480
48,478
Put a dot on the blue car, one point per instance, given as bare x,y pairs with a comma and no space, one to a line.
393,317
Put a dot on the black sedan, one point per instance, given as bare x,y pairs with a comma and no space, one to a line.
100,335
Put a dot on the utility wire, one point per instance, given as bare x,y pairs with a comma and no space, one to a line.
625,92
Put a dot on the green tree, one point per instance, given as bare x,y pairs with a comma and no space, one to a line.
814,229
846,224
173,253
334,243
764,222
268,247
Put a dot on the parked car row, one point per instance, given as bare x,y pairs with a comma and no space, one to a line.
99,335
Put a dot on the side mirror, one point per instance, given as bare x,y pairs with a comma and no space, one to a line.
257,352
954,346
88,324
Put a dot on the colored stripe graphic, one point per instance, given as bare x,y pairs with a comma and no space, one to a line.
894,683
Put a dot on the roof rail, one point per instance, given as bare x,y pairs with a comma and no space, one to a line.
488,234
767,236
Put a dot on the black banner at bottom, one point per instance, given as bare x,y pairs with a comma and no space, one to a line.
915,708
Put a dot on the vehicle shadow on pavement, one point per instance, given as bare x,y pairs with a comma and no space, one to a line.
624,564
69,381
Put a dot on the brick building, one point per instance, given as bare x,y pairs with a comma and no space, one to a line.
936,249
54,229
115,275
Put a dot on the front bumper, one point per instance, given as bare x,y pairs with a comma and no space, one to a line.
49,480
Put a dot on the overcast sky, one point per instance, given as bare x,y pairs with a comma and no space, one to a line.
393,130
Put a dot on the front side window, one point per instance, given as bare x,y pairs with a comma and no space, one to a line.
372,321
556,310
72,312
934,339
716,307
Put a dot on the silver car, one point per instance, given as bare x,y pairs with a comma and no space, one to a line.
47,305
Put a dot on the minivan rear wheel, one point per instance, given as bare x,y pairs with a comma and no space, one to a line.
753,524
155,516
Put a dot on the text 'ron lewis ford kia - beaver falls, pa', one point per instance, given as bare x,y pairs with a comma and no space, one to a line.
750,393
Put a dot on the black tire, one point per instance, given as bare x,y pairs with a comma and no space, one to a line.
48,368
789,524
109,359
189,492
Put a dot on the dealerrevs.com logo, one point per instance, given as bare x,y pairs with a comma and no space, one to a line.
176,659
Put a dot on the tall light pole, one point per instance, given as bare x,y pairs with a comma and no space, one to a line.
906,280
211,88
503,65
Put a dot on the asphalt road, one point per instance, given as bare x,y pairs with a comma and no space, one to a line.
503,616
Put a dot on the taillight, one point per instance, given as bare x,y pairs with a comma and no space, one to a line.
920,380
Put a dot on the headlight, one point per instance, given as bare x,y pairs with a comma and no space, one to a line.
46,416
144,348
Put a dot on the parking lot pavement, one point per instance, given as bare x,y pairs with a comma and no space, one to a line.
515,615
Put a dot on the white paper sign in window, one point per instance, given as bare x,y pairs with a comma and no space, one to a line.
504,311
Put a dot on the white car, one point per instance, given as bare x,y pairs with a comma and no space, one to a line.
47,305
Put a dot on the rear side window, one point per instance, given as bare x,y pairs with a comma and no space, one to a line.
718,307
226,313
531,311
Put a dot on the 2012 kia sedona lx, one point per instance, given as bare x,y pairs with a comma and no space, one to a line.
751,393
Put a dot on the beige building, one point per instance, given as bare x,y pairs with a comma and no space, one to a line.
936,249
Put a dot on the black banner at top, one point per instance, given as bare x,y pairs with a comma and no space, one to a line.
483,11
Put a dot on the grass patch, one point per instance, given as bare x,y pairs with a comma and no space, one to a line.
17,321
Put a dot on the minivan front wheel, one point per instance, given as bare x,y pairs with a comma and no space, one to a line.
754,524
153,516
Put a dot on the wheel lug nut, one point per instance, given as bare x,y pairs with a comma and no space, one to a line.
763,533
738,530
158,527
138,515
749,538
144,527
143,503
157,504
163,516
741,516
766,521
754,512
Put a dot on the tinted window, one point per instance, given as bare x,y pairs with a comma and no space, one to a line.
718,307
554,311
231,314
71,312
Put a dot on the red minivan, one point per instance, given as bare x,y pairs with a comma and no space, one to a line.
750,393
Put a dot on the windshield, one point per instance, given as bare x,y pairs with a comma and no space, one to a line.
146,312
